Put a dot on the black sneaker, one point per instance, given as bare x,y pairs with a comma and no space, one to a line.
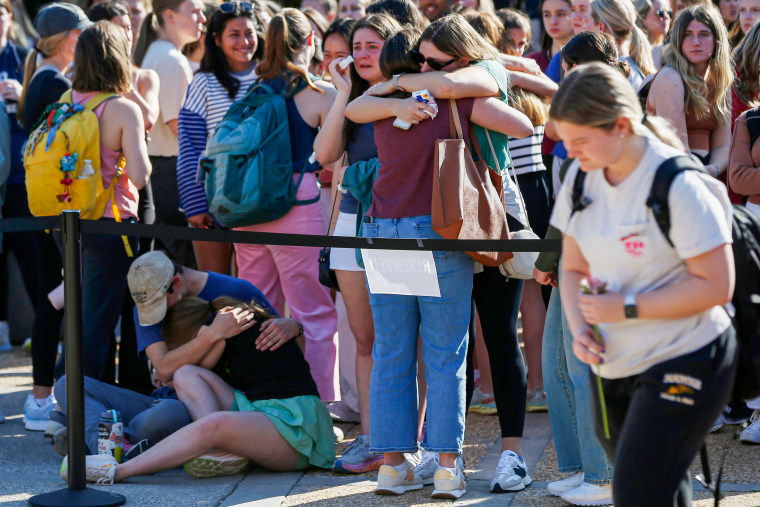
737,413
137,449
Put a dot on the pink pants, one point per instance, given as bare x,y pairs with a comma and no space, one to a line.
291,273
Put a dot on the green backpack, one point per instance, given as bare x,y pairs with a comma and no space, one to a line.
248,168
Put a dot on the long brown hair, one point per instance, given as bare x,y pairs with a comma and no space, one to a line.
45,48
287,34
712,94
151,26
746,58
186,316
101,60
454,36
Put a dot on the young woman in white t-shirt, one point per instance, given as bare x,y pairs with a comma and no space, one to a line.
667,351
165,31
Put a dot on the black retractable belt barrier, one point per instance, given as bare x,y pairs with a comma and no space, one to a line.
77,494
71,226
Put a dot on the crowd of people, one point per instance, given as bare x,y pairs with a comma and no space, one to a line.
626,341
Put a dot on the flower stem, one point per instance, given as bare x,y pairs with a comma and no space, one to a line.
602,403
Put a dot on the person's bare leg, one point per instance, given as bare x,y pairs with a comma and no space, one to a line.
353,286
221,430
421,390
40,392
202,391
533,317
512,444
212,256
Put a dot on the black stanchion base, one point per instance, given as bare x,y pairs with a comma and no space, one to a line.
87,497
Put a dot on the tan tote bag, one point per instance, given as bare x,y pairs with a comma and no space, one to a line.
467,201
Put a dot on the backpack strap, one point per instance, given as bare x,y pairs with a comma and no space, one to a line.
578,201
91,104
753,125
663,179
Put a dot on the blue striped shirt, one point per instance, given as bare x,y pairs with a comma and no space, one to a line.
206,103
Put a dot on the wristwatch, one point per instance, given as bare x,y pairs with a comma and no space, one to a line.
300,329
395,81
631,310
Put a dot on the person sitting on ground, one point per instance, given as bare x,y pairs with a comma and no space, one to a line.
147,419
274,398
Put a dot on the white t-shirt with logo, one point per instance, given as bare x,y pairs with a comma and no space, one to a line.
624,247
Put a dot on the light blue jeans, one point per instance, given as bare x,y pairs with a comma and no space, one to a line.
568,394
443,323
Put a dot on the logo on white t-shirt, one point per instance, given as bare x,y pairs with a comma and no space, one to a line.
634,244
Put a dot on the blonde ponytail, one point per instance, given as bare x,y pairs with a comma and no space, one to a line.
619,16
45,48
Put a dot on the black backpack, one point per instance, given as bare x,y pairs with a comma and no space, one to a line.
746,249
746,300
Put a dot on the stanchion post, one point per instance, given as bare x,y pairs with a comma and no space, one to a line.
77,493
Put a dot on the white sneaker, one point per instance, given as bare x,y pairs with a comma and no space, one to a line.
718,424
449,485
589,494
36,418
5,337
511,473
99,468
556,488
427,467
751,434
394,482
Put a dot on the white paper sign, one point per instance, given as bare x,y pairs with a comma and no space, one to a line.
405,272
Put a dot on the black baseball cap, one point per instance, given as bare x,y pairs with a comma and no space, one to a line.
59,17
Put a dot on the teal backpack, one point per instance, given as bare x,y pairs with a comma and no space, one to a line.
248,168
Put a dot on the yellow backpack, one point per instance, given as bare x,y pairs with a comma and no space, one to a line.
57,177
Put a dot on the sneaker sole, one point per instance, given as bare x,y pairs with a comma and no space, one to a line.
451,495
202,468
396,490
538,408
735,422
137,449
589,502
748,441
483,410
527,481
366,467
35,425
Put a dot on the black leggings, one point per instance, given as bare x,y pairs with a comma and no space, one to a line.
498,302
659,419
40,265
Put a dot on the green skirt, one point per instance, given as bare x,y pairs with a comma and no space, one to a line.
303,421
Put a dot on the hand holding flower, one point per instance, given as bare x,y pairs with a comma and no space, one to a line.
602,307
594,289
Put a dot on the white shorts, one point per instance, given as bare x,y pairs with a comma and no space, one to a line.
344,259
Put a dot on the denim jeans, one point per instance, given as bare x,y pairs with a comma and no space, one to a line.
444,325
143,416
568,395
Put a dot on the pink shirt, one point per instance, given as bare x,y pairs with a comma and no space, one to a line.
125,192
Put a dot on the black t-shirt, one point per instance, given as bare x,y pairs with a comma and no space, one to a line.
265,375
44,89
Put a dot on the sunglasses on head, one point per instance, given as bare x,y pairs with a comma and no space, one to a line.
433,64
230,7
661,13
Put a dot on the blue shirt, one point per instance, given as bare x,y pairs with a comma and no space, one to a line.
217,285
552,72
12,60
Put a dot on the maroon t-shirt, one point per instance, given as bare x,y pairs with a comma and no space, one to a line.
404,184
